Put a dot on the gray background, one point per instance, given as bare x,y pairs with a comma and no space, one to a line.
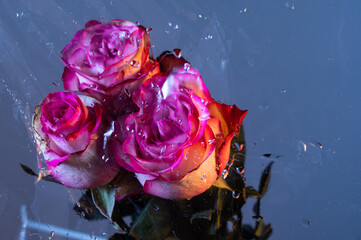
295,65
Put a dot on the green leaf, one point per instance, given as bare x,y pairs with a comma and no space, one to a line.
265,179
203,215
251,192
154,222
104,200
221,183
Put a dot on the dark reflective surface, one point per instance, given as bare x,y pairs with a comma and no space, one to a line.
295,65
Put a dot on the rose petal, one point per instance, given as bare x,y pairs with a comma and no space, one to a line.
70,80
191,79
230,116
86,169
193,157
194,183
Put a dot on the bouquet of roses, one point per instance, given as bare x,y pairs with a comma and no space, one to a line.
128,123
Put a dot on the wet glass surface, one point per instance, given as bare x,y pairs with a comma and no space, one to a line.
295,65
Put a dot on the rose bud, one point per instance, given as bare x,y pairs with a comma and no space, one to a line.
69,131
176,145
108,61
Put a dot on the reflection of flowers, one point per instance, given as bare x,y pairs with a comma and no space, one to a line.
68,130
178,143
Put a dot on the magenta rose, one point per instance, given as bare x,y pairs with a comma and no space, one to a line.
69,131
108,61
174,145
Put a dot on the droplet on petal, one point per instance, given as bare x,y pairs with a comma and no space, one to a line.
154,85
134,64
203,117
126,91
187,66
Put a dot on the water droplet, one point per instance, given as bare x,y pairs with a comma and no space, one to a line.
236,194
51,235
156,207
211,141
134,64
177,52
208,37
166,31
187,66
306,223
127,92
169,24
263,107
225,173
176,26
301,146
243,11
203,144
154,85
203,117
290,5
239,170
105,158
257,218
283,91
20,15
162,150
203,177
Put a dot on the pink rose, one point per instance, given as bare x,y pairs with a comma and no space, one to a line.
108,61
176,146
69,131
